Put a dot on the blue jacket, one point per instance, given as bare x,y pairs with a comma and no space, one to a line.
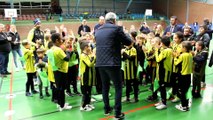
176,28
109,38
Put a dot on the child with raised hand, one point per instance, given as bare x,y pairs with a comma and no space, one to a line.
151,71
176,47
87,61
130,70
163,56
140,56
184,81
149,50
41,67
200,60
47,39
73,66
30,68
60,70
50,72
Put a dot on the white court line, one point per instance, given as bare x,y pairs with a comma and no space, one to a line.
9,113
17,93
10,96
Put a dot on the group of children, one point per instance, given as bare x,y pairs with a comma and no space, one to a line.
166,61
171,63
57,62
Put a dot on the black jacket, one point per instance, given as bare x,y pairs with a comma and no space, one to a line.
38,34
4,43
209,30
140,55
205,38
83,28
200,60
15,42
211,60
109,38
145,30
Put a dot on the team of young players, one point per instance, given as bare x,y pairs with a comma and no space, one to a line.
166,61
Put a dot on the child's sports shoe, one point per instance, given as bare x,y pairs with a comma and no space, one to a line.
157,104
120,117
86,108
108,112
66,107
161,106
183,109
28,94
176,99
91,106
35,92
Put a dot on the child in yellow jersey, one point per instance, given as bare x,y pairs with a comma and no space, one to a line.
130,70
87,61
41,67
176,47
150,57
163,56
73,66
30,68
50,73
60,69
140,56
151,71
186,61
37,45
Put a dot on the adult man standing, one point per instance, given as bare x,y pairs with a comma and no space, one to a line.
83,28
98,78
108,60
5,49
36,34
100,23
173,27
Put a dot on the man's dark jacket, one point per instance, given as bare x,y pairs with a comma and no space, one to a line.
4,43
109,38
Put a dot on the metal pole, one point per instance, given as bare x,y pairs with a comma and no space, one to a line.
92,6
68,6
167,11
11,4
187,10
114,5
127,7
77,5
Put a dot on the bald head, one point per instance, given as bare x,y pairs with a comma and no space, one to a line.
101,20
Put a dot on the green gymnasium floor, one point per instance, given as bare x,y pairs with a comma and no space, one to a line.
14,105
